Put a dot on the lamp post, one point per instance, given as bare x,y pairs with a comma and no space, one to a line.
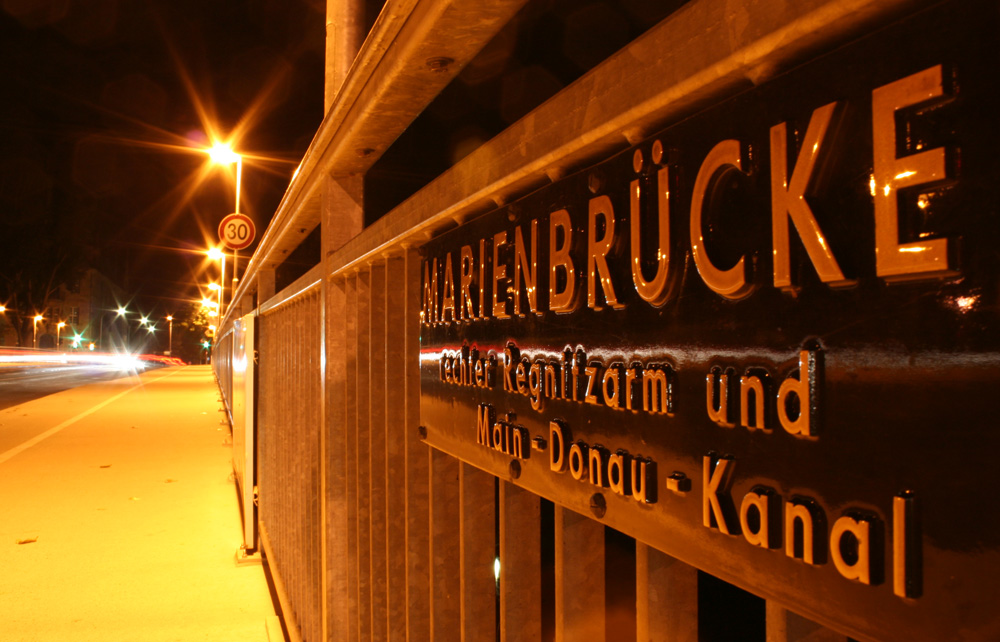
59,327
223,154
170,335
34,330
218,255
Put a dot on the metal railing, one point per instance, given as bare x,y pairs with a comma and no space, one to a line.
370,533
290,422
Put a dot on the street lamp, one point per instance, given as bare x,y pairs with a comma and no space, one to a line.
59,327
34,330
142,321
121,313
223,154
170,335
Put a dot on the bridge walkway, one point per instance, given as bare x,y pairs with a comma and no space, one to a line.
119,517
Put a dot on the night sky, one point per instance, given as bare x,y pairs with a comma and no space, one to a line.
103,107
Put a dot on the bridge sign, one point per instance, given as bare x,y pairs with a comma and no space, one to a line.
804,409
237,231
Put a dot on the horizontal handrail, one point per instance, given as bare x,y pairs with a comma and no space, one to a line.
393,79
614,106
301,286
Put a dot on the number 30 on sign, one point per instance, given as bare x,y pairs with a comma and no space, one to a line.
237,231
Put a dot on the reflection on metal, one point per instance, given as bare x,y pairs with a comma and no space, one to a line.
244,424
915,259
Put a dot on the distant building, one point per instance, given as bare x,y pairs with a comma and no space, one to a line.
87,306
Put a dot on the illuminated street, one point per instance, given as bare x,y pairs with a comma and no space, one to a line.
18,385
119,520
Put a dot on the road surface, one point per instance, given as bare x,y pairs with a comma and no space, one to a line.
20,384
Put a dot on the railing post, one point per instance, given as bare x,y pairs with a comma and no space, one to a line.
265,285
345,31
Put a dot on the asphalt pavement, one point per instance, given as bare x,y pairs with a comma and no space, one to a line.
18,385
119,517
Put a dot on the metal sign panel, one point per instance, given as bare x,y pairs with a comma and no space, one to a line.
237,231
763,340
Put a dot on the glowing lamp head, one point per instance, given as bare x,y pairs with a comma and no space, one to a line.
170,318
3,309
223,154
121,311
61,324
38,318
215,253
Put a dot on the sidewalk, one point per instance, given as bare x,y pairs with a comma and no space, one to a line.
119,518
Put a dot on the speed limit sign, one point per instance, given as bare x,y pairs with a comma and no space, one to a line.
237,231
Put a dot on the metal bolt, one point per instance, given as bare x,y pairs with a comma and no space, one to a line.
595,182
598,505
657,152
637,161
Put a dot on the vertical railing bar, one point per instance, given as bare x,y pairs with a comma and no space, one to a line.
520,564
477,549
783,625
394,340
364,462
351,428
335,528
444,544
417,487
579,553
297,541
377,463
317,602
666,594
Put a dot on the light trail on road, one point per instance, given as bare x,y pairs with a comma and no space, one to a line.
16,450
